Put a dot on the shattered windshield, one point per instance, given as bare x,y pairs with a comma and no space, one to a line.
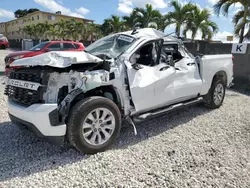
112,46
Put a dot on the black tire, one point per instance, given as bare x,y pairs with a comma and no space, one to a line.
209,98
78,114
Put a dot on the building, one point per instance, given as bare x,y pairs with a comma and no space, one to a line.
12,29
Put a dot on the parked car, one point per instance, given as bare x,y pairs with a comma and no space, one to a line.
129,76
4,43
42,48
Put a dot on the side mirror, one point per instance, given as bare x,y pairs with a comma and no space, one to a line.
47,50
137,66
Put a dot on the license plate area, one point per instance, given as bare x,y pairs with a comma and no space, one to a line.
23,84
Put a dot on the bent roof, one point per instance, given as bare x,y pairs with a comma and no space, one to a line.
150,33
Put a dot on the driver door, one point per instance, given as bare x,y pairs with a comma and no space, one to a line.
148,76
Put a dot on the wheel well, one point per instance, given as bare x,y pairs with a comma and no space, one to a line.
221,75
103,91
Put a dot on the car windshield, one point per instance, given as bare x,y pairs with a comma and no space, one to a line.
38,47
112,46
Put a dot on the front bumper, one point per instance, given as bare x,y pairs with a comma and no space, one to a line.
39,119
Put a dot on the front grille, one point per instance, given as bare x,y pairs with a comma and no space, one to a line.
26,76
22,95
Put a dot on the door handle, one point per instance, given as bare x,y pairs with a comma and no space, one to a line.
190,64
164,68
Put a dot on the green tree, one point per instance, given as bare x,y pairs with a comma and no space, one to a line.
241,18
23,12
52,32
63,31
27,30
179,16
74,28
200,21
130,21
113,25
42,29
239,24
147,17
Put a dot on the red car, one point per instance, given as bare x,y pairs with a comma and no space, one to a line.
4,43
42,48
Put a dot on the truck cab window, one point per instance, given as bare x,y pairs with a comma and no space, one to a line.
147,55
172,49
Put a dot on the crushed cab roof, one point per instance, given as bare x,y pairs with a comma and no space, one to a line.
149,33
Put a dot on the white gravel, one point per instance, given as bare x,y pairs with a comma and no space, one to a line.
194,147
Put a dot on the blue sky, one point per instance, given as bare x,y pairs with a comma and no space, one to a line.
101,9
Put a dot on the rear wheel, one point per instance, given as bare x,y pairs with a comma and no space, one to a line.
3,47
94,125
216,95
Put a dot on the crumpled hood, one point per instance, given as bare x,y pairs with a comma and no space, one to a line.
57,59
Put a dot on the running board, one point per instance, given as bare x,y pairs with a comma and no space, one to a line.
167,109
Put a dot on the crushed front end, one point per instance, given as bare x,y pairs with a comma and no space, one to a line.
27,107
39,96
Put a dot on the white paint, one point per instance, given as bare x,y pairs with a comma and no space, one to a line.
57,59
239,48
38,115
151,87
211,64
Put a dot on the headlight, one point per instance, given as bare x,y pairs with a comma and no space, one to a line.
17,57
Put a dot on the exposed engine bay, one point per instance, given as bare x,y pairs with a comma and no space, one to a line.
55,83
73,80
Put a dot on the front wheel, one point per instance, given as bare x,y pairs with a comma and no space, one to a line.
216,95
94,124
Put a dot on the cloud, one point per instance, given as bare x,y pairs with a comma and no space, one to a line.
6,13
222,36
155,3
54,7
60,2
212,2
126,6
82,10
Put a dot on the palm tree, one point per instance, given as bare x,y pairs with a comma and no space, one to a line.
52,32
62,29
179,16
147,17
200,21
86,30
130,21
239,24
27,30
74,28
34,31
113,25
241,18
42,29
97,32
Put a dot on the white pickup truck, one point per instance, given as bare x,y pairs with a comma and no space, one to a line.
83,97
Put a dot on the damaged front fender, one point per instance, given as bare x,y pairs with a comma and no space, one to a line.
65,104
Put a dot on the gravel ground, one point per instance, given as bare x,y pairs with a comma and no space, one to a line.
194,147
